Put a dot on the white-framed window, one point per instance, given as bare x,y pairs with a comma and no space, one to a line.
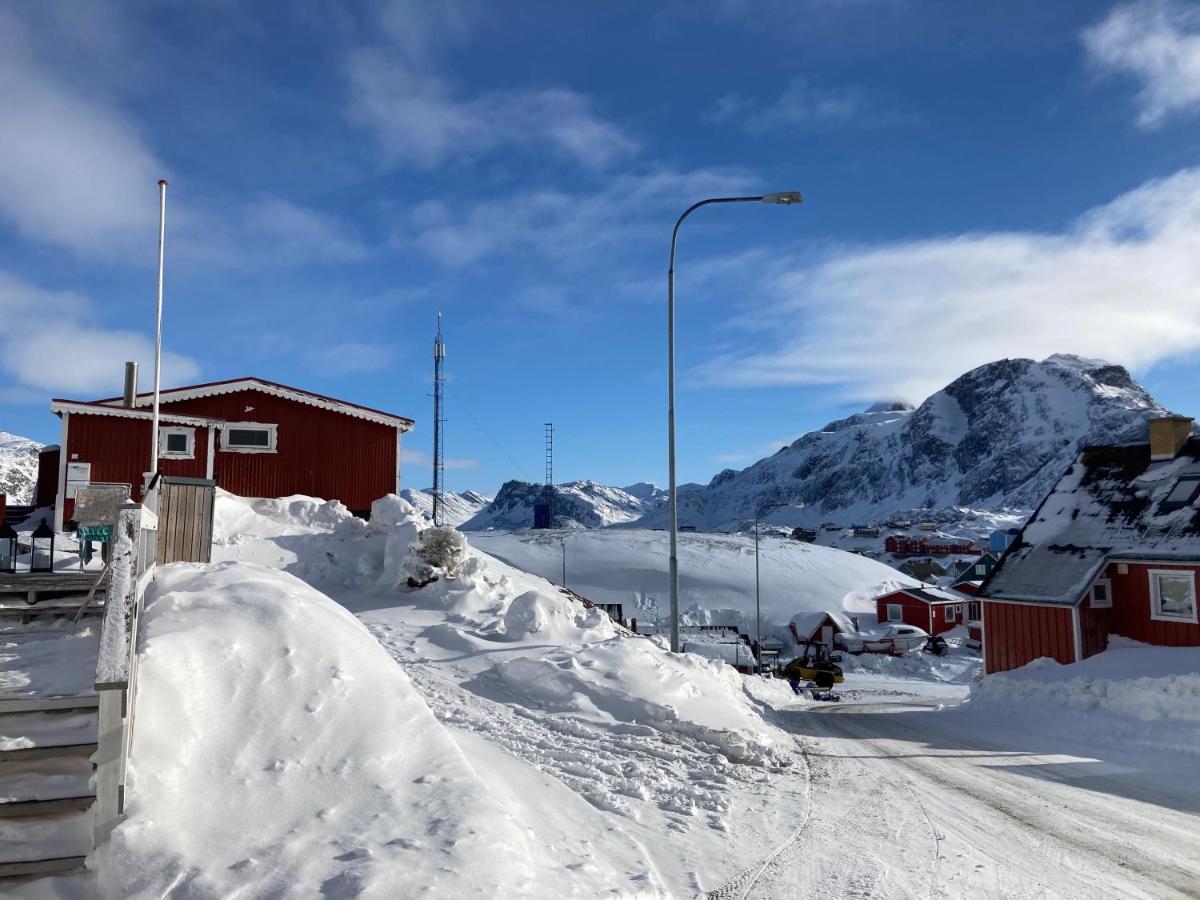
895,612
176,443
1102,594
949,613
980,569
1172,595
248,437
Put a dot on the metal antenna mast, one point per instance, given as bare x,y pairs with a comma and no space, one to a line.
439,418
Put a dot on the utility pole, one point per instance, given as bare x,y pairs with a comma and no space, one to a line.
439,459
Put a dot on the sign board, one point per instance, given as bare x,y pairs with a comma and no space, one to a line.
102,533
98,504
78,475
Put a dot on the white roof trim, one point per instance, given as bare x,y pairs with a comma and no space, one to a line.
124,412
251,384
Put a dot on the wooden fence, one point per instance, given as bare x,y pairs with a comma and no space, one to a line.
185,515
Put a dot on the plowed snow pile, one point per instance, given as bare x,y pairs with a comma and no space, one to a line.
280,751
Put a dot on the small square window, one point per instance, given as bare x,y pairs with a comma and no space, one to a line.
895,612
1101,595
176,443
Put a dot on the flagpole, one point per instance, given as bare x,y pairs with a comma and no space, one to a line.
162,233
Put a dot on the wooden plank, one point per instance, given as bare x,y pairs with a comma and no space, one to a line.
66,581
47,704
51,752
54,866
11,809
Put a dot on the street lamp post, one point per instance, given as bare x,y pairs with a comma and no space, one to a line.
786,198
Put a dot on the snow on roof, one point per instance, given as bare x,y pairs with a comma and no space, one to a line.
1111,503
807,623
189,392
930,594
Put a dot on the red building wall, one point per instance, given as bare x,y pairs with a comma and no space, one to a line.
119,451
319,452
916,612
1130,615
47,479
1018,633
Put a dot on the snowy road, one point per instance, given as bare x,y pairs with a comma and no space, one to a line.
906,802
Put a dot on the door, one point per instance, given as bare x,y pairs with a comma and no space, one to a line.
827,636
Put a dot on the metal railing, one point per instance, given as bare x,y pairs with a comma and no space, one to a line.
133,563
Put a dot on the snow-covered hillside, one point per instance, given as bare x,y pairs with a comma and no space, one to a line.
577,504
458,507
18,467
716,573
996,438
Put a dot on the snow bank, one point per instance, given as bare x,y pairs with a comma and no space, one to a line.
254,517
280,751
634,681
1130,679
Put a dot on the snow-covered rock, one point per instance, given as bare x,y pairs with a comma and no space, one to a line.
997,438
18,467
584,504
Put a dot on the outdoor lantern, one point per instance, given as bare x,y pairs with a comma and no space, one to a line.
42,557
8,548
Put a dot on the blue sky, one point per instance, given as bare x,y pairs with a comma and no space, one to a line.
981,181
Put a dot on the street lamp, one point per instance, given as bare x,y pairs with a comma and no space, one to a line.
785,198
757,588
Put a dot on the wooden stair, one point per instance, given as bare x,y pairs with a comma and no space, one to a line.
46,746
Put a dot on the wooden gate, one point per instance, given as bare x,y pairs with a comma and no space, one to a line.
185,519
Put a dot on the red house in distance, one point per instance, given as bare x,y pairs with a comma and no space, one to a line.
1113,549
933,609
256,438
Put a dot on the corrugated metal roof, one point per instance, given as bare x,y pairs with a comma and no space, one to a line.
1111,504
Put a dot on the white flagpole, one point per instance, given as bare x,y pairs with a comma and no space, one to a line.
162,233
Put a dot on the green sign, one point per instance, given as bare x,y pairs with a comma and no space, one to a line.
101,533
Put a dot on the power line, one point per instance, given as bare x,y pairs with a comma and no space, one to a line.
491,437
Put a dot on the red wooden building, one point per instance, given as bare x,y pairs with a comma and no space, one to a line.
906,545
933,609
256,438
1114,548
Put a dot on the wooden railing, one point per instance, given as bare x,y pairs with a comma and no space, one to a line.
133,562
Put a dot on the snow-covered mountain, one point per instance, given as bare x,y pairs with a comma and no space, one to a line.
996,438
458,507
576,504
18,467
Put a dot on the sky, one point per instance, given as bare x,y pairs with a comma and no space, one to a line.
981,181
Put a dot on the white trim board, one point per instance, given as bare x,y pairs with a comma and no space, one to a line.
66,406
253,384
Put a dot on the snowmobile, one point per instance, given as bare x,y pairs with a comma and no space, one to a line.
936,644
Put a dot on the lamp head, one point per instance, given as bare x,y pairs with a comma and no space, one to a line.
785,198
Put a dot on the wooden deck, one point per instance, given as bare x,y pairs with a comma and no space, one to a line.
59,582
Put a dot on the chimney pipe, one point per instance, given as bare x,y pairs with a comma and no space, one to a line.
1168,434
130,383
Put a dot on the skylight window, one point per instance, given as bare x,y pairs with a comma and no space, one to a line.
1184,492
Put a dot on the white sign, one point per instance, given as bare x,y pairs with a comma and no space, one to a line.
78,475
98,504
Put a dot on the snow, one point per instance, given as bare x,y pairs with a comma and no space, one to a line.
49,662
280,750
716,573
310,725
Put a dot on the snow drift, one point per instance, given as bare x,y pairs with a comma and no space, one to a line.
281,752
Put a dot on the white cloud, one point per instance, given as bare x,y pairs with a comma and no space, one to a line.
73,170
1157,42
52,342
77,172
802,106
565,226
410,458
903,319
420,118
352,357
